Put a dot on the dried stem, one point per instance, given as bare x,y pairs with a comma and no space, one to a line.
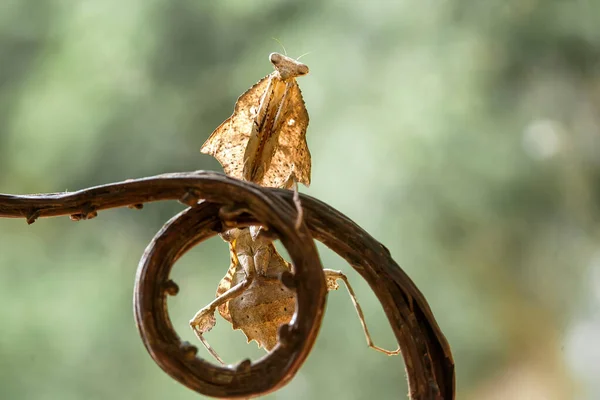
428,360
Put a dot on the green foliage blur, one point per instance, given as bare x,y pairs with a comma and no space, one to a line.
465,136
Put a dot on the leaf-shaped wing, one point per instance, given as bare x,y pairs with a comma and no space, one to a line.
228,142
292,157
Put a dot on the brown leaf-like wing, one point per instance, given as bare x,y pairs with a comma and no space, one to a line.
292,157
228,142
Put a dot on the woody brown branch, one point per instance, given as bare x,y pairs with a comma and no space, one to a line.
428,359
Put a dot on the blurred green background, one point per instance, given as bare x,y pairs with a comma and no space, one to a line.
463,135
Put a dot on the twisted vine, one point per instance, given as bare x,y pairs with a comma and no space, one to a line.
217,203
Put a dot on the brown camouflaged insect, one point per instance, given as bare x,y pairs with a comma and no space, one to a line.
264,142
252,297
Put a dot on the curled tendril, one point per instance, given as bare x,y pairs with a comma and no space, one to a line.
217,203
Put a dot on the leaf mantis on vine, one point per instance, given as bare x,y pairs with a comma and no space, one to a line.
264,141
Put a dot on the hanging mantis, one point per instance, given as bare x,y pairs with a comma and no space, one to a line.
264,141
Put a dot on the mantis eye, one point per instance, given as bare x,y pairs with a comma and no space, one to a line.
302,69
275,58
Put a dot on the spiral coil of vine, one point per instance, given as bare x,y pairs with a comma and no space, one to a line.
217,203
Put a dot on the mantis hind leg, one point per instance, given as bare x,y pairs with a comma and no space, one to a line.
331,278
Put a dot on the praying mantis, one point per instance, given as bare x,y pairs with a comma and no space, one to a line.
264,141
